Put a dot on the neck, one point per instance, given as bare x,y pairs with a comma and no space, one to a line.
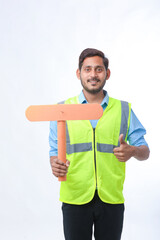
94,98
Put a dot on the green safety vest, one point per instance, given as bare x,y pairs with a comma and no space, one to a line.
90,152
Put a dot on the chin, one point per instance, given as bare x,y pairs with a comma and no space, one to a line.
94,91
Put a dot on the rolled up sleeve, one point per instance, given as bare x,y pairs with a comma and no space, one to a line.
136,132
53,142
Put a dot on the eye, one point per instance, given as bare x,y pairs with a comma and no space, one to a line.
87,69
99,69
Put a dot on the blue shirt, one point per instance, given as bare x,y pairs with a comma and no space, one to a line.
135,134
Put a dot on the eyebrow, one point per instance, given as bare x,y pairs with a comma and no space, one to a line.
97,66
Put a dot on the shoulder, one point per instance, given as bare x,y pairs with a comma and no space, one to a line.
71,100
117,101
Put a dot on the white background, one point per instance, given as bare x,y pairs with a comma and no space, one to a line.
40,42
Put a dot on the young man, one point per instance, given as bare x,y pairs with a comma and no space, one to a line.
96,154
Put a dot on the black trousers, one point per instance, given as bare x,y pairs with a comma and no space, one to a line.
107,219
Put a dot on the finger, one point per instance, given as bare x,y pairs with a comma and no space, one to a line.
59,172
119,156
58,166
67,163
121,141
58,161
122,159
116,150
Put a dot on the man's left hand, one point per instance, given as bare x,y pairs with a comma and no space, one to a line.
124,152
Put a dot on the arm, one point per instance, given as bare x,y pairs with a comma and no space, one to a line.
59,169
137,147
141,152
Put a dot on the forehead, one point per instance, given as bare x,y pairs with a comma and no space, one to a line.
93,61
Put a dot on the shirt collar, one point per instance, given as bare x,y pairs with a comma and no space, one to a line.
105,100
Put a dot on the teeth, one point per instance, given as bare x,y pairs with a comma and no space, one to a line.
93,81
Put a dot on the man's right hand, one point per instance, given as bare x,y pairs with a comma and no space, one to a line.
59,168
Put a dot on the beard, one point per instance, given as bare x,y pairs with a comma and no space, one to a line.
94,90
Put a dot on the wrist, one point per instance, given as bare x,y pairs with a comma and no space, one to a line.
134,151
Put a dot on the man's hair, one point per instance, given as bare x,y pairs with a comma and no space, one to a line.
91,52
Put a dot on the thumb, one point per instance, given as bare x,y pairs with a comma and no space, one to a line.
67,163
121,141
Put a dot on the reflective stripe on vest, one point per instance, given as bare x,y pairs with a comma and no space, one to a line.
105,148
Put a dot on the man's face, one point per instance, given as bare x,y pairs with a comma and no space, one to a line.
93,74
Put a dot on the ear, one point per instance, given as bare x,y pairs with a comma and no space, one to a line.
78,73
108,74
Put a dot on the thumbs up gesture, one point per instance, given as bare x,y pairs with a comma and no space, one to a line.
124,152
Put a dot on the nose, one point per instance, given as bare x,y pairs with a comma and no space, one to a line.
93,72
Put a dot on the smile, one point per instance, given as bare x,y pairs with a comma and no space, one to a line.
93,80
